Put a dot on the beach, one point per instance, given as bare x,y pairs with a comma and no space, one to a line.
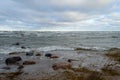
60,55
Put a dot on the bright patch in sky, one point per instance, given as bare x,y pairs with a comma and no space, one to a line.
60,15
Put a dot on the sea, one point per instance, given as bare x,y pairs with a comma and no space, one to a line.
47,41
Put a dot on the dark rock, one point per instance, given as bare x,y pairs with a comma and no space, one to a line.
29,62
48,55
69,60
115,37
61,65
23,47
13,60
30,53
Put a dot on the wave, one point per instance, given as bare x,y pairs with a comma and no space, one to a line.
7,50
52,48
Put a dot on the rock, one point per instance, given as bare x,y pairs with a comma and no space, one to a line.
13,53
48,55
29,62
61,65
78,49
23,47
54,57
30,53
13,60
114,49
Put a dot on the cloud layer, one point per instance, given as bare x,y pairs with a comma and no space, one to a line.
60,15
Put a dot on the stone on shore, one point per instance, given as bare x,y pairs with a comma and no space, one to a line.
13,60
61,65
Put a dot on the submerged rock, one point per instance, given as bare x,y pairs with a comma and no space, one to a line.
30,53
13,60
48,55
23,47
61,65
29,62
17,43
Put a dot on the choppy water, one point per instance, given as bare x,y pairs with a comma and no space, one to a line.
58,40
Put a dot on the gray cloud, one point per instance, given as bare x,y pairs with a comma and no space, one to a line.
58,14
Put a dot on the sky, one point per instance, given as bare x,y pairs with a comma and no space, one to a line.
59,15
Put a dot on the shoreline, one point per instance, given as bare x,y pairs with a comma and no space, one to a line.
83,60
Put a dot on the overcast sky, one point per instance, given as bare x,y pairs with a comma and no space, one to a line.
60,15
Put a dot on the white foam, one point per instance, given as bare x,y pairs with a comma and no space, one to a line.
51,48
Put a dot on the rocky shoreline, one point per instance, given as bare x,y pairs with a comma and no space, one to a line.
77,64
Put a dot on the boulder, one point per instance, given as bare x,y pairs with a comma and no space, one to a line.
29,62
61,65
13,60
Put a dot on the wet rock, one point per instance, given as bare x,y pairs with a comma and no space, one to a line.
54,57
13,53
38,54
13,60
48,55
61,65
30,53
29,62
